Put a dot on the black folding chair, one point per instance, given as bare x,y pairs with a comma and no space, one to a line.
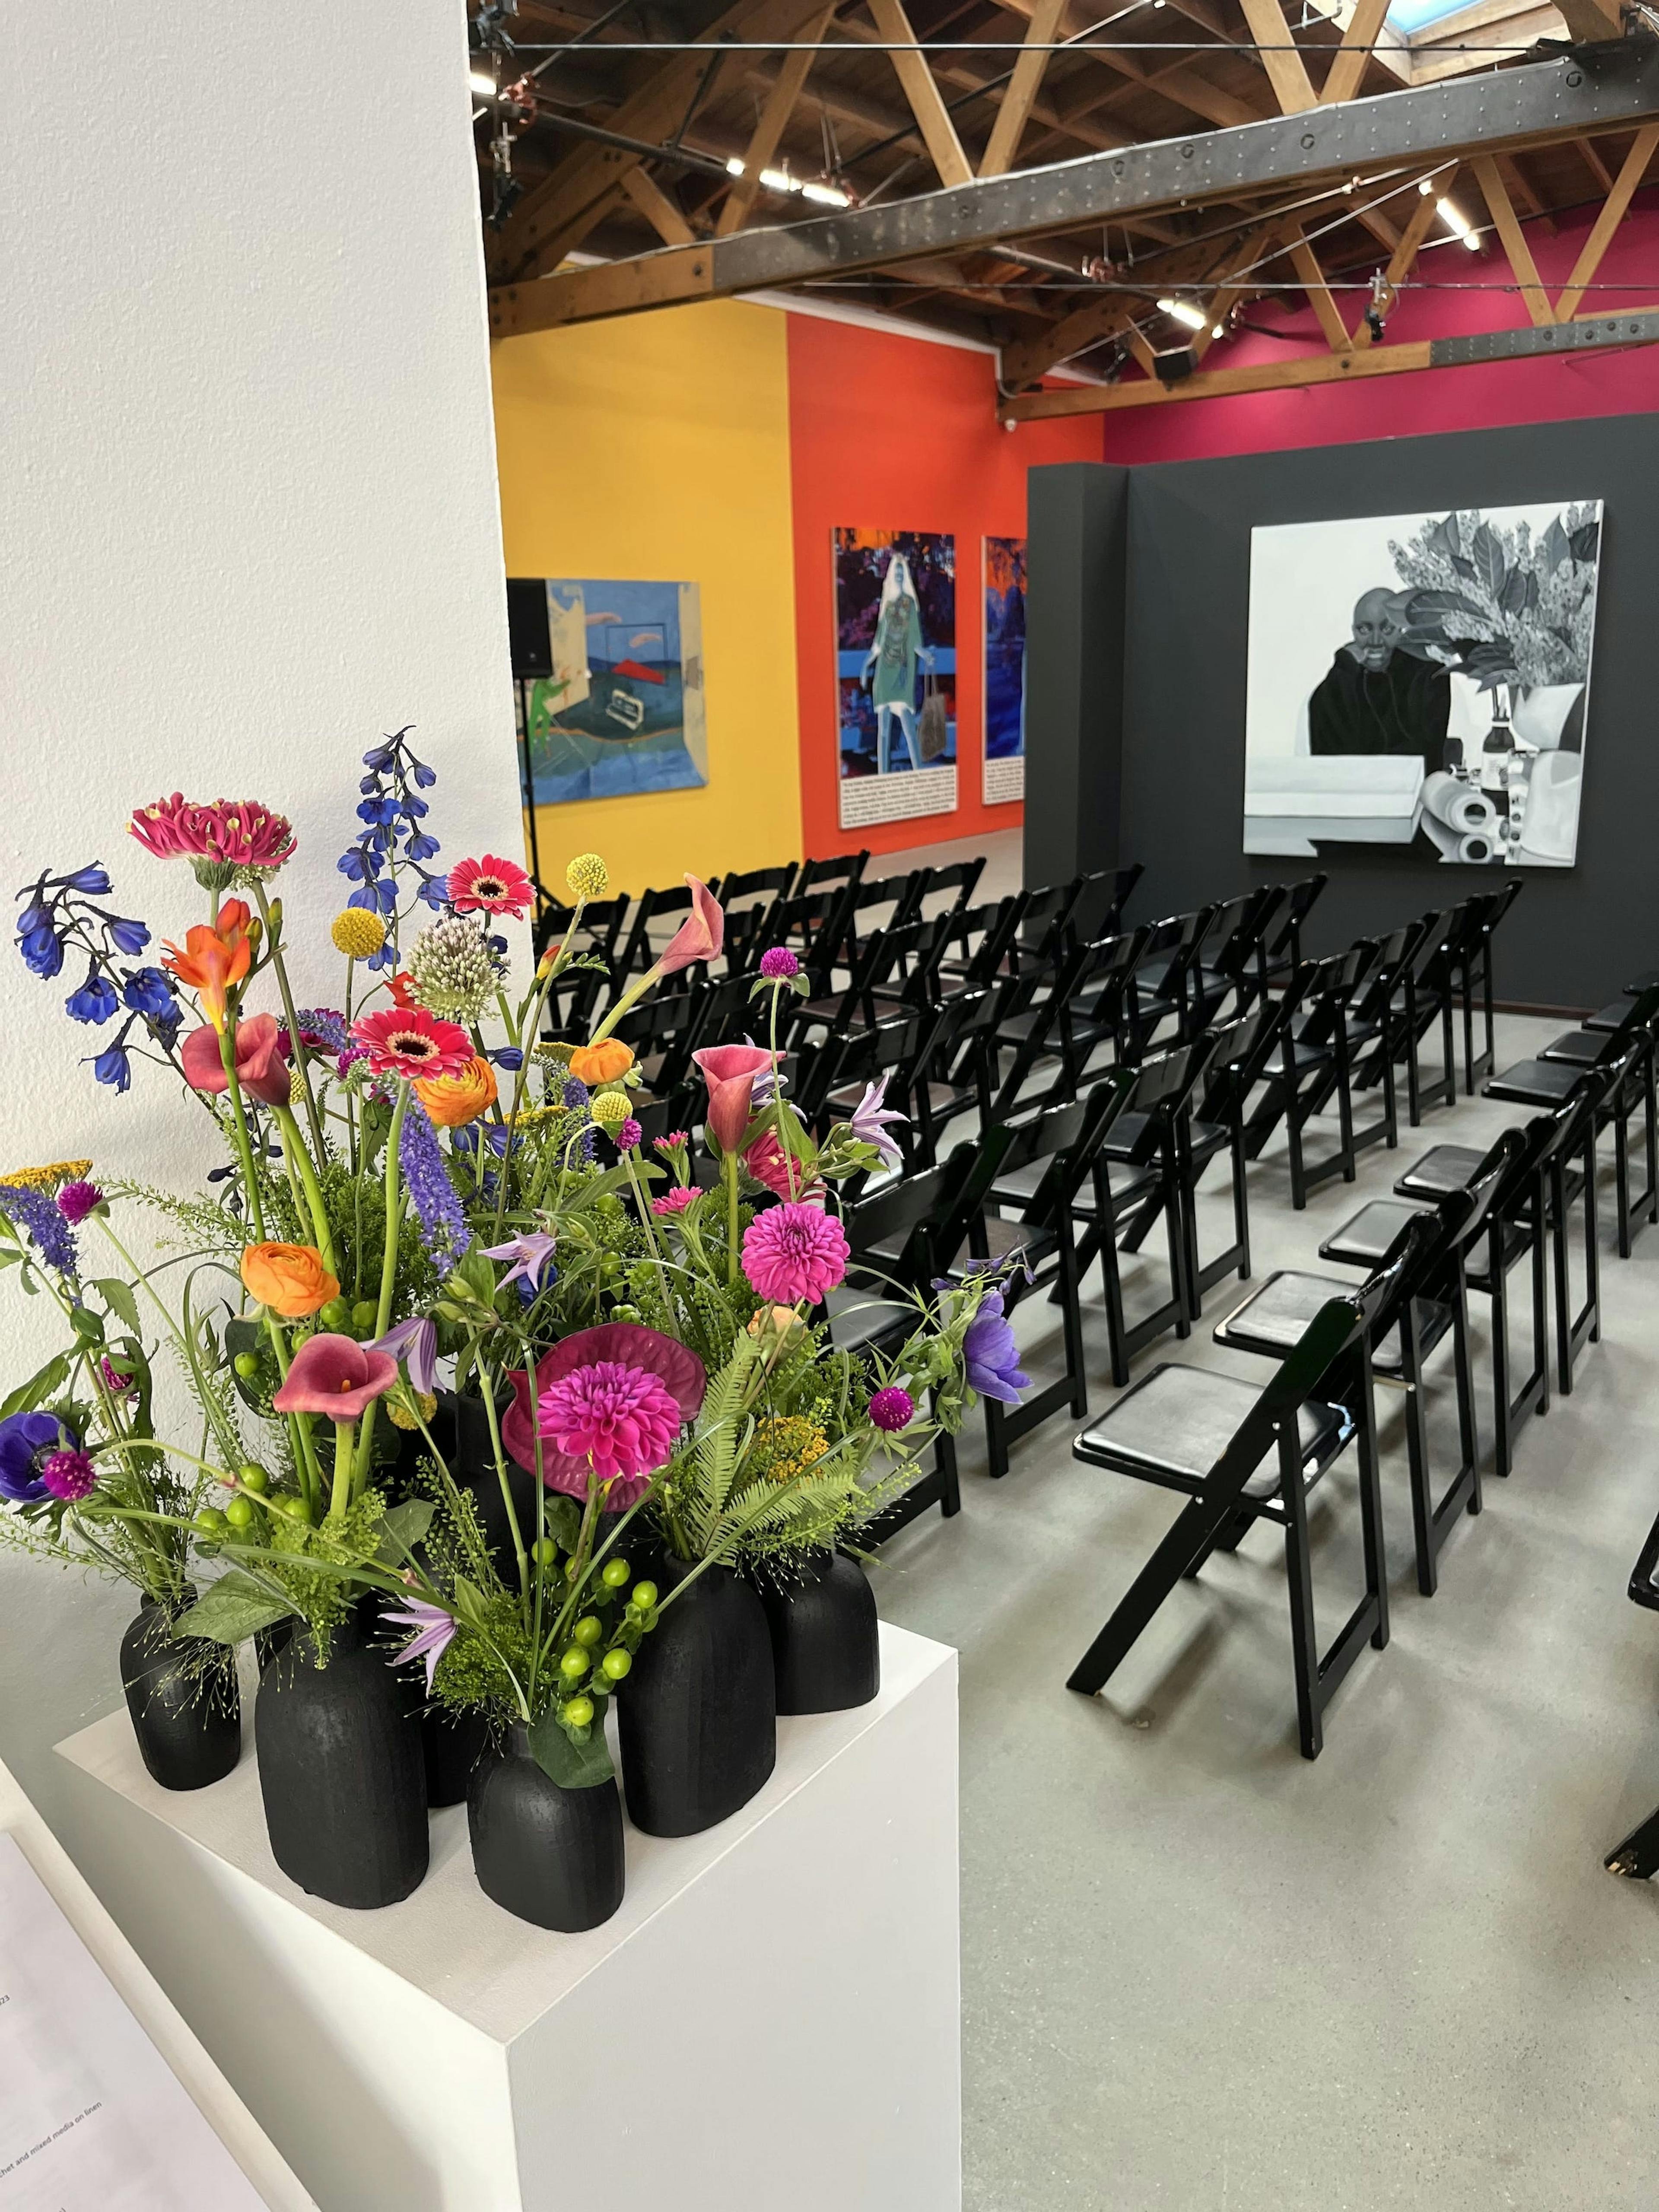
1243,1455
1599,1043
1471,969
1281,953
1102,896
1637,1857
1308,1067
1232,971
1171,951
1426,996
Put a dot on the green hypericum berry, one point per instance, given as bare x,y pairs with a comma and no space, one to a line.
574,1663
579,1711
572,1568
615,1573
643,1594
239,1512
364,1315
335,1314
545,1552
246,1365
296,1508
588,1630
617,1665
254,1478
210,1522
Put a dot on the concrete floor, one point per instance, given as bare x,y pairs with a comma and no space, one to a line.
1202,1972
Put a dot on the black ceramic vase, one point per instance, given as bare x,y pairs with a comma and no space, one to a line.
461,1429
183,1696
452,1745
342,1772
824,1646
551,1855
698,1716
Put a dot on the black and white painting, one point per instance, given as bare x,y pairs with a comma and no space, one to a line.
1422,680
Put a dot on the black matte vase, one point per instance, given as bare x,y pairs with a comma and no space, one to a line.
183,1696
461,1428
824,1645
342,1772
452,1745
551,1855
698,1716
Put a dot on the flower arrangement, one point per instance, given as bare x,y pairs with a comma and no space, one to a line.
1500,604
417,1180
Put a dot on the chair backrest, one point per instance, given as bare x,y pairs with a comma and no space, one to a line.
953,885
902,893
1285,943
1393,956
1069,1138
1237,1051
1097,910
640,951
822,875
1340,1324
931,1212
601,925
750,884
1043,925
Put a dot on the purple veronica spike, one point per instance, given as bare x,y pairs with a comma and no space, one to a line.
414,1342
444,1229
432,1628
32,1210
869,1120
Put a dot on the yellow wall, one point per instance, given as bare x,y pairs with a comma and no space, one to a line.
622,456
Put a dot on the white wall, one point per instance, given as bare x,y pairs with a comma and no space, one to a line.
248,521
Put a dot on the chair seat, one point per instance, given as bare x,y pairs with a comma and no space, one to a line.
1172,1427
1310,1059
1274,1318
1017,1243
1611,1017
1367,1240
1644,982
1207,1139
1433,1320
1582,1047
1535,1083
859,1317
1442,1172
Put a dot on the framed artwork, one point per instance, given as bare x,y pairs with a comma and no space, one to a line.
896,674
611,687
1002,775
1422,680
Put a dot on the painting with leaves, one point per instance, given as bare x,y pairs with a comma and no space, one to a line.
1422,680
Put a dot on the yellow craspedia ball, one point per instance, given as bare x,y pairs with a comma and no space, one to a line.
357,933
588,876
609,1108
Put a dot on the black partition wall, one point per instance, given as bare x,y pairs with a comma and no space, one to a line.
1136,619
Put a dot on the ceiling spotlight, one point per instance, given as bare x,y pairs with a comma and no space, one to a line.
1184,312
1217,331
734,168
480,83
1455,220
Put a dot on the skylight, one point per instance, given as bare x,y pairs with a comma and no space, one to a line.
1408,16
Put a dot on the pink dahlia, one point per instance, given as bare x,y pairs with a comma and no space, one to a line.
489,886
415,1044
794,1252
235,832
675,1201
628,1375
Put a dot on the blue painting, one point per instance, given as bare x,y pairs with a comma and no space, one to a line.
1003,774
896,674
620,710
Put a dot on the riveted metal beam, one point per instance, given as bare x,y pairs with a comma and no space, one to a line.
1598,89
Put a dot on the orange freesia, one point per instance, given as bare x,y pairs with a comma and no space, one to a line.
603,1062
452,1101
290,1279
216,959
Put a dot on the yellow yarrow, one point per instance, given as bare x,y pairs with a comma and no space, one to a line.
398,1406
50,1178
587,877
609,1108
788,1445
357,932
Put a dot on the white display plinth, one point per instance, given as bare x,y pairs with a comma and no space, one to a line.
771,2019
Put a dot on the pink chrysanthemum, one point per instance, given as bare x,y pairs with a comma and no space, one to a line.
794,1252
779,965
77,1199
69,1475
675,1201
489,886
672,1141
236,833
621,1420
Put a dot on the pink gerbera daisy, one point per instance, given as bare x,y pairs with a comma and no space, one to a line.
413,1043
794,1252
489,886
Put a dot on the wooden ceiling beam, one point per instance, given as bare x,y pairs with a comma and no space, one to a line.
934,118
1348,64
1287,72
1320,299
770,124
1613,214
665,215
1521,264
1015,111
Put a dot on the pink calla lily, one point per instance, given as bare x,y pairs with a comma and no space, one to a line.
700,936
336,1376
262,1068
729,1071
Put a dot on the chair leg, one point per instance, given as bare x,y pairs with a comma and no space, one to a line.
1503,1448
1638,1855
1298,1570
1371,1503
1468,1430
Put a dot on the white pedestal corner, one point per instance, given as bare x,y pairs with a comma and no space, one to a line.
771,2019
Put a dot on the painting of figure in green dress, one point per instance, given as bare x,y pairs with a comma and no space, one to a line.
613,704
896,674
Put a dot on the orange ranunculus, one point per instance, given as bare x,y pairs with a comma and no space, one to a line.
452,1101
603,1062
290,1279
216,959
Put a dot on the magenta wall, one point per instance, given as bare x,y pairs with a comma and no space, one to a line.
1550,390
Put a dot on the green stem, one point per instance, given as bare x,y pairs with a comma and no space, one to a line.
641,1200
777,1093
729,1169
239,1124
346,1440
388,1263
293,1149
492,1418
273,940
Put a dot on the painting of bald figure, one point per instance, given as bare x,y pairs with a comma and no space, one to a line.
1422,681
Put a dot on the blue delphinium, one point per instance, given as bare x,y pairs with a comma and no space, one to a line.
62,916
394,838
442,1217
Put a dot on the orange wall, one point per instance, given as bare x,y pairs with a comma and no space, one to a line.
891,433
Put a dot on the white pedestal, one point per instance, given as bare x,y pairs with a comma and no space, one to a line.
771,2019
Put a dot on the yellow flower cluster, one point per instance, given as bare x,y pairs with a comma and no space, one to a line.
788,1445
587,877
399,1407
357,933
609,1108
50,1178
